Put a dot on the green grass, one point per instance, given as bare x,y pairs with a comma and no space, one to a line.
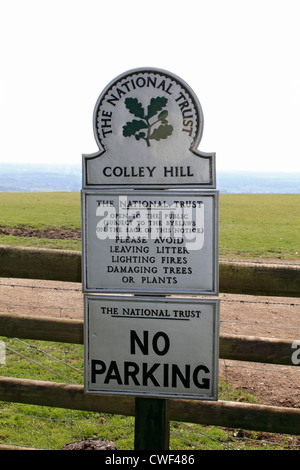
73,245
40,210
50,428
260,226
251,226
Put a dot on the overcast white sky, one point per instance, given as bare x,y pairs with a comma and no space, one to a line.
241,58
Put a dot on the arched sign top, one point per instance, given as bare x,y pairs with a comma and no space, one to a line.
148,124
154,98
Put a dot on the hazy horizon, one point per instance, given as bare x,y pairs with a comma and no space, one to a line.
45,177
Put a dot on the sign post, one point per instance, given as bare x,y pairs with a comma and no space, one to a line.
152,424
150,235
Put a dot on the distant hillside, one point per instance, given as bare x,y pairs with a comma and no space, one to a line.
258,183
46,178
40,178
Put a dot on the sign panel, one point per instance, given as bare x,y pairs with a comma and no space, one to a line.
150,242
150,228
148,124
159,348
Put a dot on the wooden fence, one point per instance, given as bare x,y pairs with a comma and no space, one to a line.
242,278
235,277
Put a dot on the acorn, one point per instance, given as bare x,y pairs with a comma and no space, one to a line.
163,115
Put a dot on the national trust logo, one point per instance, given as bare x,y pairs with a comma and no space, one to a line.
147,106
157,129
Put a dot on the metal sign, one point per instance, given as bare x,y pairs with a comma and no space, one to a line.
148,124
150,242
159,348
150,228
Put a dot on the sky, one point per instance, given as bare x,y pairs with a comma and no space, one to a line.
240,57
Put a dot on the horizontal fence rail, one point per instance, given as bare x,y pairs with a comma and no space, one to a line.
41,328
234,277
40,263
233,347
222,413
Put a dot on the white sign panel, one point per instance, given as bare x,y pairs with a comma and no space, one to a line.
160,348
148,124
160,242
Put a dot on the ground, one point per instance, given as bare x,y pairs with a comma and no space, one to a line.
51,233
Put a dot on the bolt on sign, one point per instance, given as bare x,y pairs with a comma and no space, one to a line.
164,348
150,227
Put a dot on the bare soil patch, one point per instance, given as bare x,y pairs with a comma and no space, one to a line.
52,233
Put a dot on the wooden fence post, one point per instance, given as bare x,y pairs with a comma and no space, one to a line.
152,424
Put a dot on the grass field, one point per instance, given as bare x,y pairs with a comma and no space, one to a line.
260,226
251,226
40,210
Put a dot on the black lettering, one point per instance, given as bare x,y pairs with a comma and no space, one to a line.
120,92
166,347
106,170
205,382
166,375
95,370
112,100
113,373
142,345
131,369
141,82
148,374
176,372
131,373
151,81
